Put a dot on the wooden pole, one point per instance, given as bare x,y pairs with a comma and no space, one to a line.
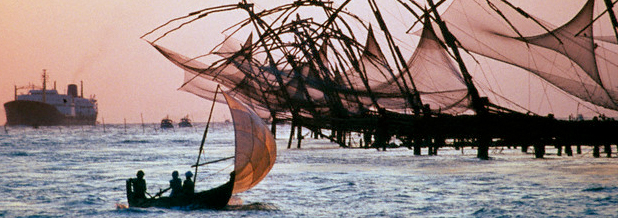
596,151
559,148
199,154
273,127
539,150
291,135
418,141
299,136
125,125
478,104
568,150
103,120
612,16
143,127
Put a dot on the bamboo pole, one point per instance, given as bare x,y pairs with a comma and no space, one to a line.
205,134
143,127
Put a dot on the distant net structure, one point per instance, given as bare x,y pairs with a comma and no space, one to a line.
320,66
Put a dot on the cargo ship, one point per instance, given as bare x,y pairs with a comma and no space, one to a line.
43,107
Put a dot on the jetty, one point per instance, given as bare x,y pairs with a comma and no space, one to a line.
347,74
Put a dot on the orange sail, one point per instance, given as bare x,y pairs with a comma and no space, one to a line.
256,150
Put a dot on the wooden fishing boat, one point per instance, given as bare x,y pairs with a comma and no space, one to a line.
255,154
166,123
185,122
216,198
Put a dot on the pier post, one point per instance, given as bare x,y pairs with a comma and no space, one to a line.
367,137
291,135
579,149
568,150
439,142
418,141
430,143
524,148
596,151
539,150
608,150
456,143
559,148
299,136
273,127
483,148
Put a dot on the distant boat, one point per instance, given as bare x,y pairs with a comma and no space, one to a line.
254,156
43,107
185,122
166,123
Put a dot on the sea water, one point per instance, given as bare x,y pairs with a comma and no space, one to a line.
81,172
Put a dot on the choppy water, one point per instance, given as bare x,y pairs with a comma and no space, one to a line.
80,171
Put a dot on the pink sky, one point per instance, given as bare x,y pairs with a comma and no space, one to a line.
98,42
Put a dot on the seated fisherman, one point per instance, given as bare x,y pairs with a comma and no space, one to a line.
188,187
139,186
175,185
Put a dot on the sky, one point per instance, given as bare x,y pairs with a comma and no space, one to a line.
98,42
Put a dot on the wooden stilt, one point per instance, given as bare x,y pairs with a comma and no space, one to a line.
596,151
608,150
579,149
273,128
524,148
417,145
568,150
539,150
559,148
299,136
367,137
439,143
428,142
483,149
291,135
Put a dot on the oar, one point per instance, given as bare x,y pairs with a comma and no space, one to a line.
214,161
205,133
161,192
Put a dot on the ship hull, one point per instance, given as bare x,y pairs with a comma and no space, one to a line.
33,113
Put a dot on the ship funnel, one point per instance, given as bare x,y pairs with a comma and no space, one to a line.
72,90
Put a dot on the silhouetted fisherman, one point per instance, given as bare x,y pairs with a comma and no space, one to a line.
139,186
188,187
175,185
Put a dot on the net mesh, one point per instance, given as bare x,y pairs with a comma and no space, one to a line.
305,67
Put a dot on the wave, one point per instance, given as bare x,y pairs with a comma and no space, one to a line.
135,141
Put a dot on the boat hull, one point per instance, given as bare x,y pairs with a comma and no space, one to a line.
216,198
34,113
